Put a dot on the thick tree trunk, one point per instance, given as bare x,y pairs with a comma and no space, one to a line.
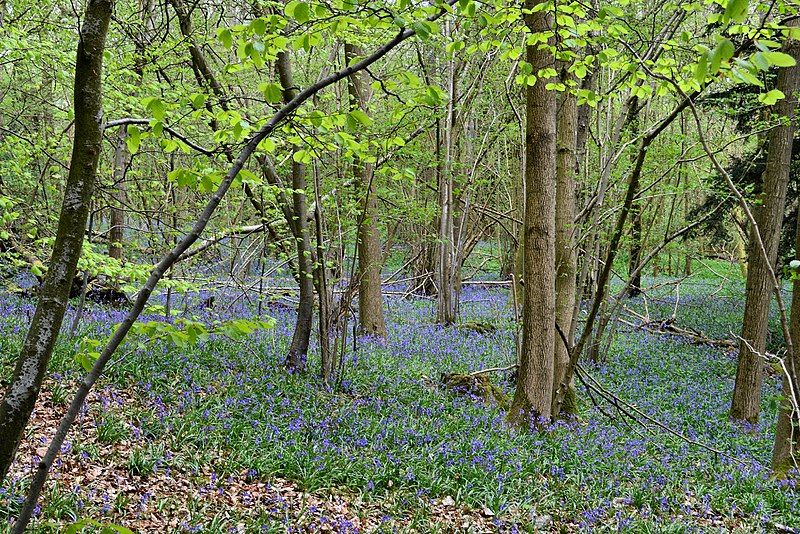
785,454
768,214
46,323
533,397
565,256
296,357
370,257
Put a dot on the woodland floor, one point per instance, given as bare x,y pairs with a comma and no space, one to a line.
220,439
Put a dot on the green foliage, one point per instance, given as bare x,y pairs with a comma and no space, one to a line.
91,525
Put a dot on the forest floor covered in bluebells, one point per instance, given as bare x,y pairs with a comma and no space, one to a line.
219,438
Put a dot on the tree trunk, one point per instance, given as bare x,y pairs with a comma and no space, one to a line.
46,323
533,397
768,214
636,219
565,256
784,453
447,291
296,357
636,248
370,260
116,232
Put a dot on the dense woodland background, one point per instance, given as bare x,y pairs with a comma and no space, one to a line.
357,266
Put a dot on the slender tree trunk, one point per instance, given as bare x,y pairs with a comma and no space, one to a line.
565,256
447,294
116,232
370,257
636,248
746,402
533,397
636,221
296,357
46,323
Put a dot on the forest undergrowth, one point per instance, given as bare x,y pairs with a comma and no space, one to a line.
220,438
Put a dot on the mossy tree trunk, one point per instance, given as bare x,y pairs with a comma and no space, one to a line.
26,381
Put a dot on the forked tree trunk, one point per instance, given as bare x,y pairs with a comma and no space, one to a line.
565,256
370,257
296,357
46,323
768,213
447,296
533,397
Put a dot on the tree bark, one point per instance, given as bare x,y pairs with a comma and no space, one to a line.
636,249
296,357
447,292
533,397
370,257
116,231
565,256
768,214
784,452
46,323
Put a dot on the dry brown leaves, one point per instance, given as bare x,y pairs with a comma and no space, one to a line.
174,500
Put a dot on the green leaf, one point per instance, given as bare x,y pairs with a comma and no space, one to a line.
272,92
302,156
360,117
198,100
134,138
259,26
247,177
299,11
736,10
81,524
701,69
157,108
87,359
423,29
771,97
779,59
225,36
722,52
268,145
